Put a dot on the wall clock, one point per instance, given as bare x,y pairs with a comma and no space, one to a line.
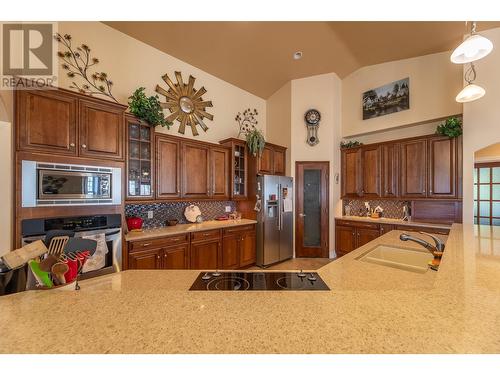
185,103
312,118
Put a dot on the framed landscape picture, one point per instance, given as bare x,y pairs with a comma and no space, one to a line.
387,99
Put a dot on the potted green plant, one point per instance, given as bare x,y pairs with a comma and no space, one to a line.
255,142
147,108
452,127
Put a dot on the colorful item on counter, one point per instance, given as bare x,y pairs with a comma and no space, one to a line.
58,271
19,257
72,262
134,224
42,277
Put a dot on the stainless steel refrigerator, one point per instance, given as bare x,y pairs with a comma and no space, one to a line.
274,219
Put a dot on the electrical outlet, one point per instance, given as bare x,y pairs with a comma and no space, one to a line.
150,214
228,208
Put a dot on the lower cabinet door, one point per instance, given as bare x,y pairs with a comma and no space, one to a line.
145,260
247,249
366,235
176,257
345,240
230,252
205,255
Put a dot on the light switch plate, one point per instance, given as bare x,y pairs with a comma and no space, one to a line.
150,214
228,208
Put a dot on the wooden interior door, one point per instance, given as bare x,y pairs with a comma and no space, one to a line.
219,171
312,209
390,170
101,131
46,121
350,179
414,169
195,171
370,166
442,167
168,168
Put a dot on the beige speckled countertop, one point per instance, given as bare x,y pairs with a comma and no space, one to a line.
386,220
148,234
370,309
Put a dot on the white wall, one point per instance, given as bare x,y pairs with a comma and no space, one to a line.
434,83
481,118
322,92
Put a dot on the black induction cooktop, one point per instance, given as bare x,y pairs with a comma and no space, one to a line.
239,281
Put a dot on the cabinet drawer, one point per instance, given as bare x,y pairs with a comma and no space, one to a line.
238,230
358,224
159,242
205,235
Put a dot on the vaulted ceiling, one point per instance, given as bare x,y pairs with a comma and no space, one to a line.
257,56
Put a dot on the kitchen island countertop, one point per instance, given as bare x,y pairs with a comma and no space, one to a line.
369,309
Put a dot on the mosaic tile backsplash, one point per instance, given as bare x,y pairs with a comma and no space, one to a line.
175,210
392,209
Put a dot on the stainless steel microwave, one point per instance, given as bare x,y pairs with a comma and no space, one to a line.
45,184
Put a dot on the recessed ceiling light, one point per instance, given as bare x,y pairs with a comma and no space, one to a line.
297,55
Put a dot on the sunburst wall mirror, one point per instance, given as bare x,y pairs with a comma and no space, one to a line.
185,103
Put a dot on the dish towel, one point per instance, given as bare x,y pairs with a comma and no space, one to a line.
98,260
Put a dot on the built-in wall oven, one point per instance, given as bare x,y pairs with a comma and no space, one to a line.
46,184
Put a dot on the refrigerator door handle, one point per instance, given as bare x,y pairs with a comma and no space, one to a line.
280,218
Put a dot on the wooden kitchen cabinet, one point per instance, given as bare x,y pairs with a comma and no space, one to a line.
205,255
150,259
248,248
195,170
371,171
238,171
101,130
219,172
442,172
390,170
46,121
139,151
350,176
176,257
168,168
238,247
345,239
414,168
62,122
266,160
279,161
365,235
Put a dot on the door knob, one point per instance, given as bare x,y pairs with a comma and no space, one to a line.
302,215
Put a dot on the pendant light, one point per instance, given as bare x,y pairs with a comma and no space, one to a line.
473,48
471,91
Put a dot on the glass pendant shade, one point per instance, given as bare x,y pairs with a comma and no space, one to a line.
470,93
473,48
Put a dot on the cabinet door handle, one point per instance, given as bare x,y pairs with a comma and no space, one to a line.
165,256
84,146
72,144
146,244
158,257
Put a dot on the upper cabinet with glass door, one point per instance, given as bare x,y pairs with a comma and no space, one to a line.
139,159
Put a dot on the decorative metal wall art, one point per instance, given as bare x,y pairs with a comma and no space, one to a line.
246,121
185,103
77,61
312,118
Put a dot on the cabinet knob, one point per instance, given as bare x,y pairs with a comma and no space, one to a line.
165,256
84,146
72,144
158,257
